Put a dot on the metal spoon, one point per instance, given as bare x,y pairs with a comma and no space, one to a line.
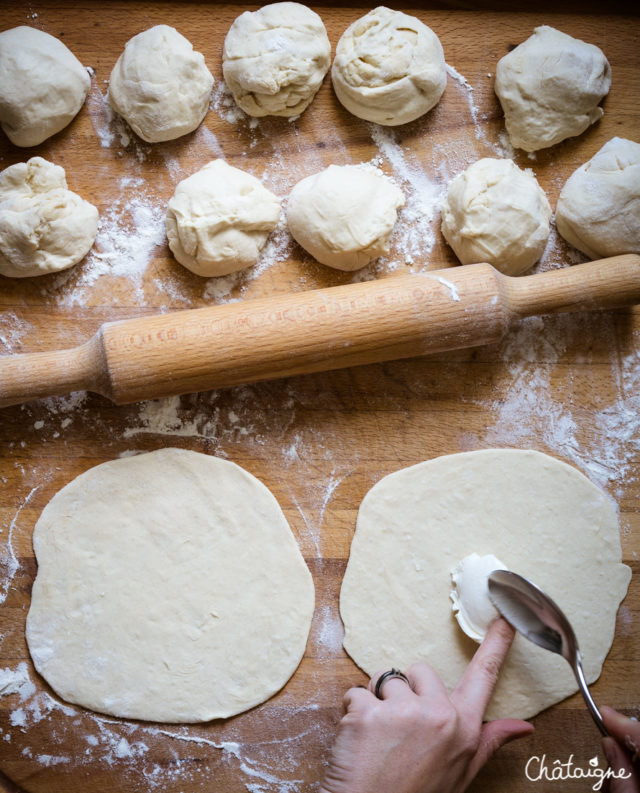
538,618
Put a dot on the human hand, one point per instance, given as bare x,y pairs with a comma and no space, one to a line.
420,739
620,748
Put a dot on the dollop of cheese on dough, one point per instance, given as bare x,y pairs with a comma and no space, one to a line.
470,593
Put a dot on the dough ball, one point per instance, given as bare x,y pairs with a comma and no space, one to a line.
389,68
539,516
274,59
170,588
160,85
44,227
470,600
219,218
343,216
598,209
549,88
496,213
42,85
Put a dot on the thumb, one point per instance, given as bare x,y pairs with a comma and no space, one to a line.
493,735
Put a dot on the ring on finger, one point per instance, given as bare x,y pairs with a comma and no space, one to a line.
389,675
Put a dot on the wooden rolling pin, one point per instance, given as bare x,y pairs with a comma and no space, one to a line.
395,317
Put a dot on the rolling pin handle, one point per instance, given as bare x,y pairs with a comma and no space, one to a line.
603,284
43,374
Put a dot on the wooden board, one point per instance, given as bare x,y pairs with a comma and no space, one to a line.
568,386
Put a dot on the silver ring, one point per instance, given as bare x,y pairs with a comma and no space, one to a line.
388,675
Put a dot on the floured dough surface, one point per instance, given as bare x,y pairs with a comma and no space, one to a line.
539,516
169,588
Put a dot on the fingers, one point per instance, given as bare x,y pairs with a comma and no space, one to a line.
625,780
358,699
626,731
494,735
473,692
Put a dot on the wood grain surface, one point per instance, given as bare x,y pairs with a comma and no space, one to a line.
566,385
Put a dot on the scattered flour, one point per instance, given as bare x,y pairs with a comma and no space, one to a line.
413,235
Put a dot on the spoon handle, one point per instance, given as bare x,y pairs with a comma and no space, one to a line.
584,688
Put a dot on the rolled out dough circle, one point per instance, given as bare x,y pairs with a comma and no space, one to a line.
541,517
170,588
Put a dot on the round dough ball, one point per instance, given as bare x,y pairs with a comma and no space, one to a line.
343,216
170,588
549,88
219,219
274,59
160,85
598,209
389,68
44,227
496,213
541,517
42,85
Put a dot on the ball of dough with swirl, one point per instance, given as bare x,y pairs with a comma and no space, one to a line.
389,68
219,218
275,58
160,85
44,227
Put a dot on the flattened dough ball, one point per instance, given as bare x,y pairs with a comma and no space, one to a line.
219,219
494,212
274,59
549,88
598,209
44,227
344,215
169,588
42,85
540,517
160,85
389,68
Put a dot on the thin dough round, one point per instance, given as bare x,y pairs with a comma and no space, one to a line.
169,588
541,517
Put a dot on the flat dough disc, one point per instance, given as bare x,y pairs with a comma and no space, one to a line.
541,517
169,588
